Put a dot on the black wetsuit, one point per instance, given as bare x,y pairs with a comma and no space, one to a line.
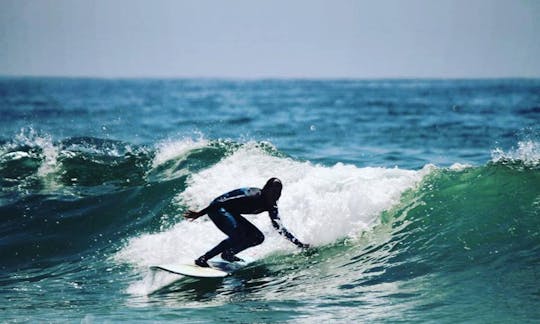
225,211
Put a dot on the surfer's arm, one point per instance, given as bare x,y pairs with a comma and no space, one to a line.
224,201
192,215
276,222
231,199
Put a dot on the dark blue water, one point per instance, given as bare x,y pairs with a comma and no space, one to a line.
404,122
421,197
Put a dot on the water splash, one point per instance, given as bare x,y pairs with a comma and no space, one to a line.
527,152
319,204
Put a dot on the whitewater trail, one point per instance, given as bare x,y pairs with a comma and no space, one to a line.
319,204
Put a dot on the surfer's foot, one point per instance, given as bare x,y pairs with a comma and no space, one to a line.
228,256
201,262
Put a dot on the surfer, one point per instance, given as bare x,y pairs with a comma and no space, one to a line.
225,211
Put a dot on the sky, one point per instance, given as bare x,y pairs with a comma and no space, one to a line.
271,38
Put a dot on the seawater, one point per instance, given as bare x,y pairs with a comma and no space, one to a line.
421,199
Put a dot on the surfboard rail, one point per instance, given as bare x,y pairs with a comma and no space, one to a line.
191,270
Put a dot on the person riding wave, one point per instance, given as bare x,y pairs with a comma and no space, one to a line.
225,212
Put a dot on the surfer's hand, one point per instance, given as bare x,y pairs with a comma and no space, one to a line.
308,250
191,215
304,246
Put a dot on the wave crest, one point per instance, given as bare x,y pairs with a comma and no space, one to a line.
526,153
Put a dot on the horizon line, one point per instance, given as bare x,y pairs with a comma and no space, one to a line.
261,78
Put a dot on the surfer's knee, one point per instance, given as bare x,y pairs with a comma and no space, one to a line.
258,239
254,239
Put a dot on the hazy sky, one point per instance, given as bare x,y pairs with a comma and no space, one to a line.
274,38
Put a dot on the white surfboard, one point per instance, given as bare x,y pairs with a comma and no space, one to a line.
217,269
191,270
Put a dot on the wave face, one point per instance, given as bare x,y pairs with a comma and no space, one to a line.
467,237
417,209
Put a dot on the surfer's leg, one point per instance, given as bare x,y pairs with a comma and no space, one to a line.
228,224
225,221
245,237
222,246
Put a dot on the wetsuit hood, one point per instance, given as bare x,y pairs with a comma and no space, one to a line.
272,191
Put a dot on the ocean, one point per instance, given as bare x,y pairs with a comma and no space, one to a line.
420,199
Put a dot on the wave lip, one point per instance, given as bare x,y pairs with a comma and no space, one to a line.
527,153
33,163
173,149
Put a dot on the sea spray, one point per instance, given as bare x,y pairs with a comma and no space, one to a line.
527,152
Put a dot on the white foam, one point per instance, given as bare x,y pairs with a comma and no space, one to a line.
460,166
527,151
319,204
49,153
171,149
